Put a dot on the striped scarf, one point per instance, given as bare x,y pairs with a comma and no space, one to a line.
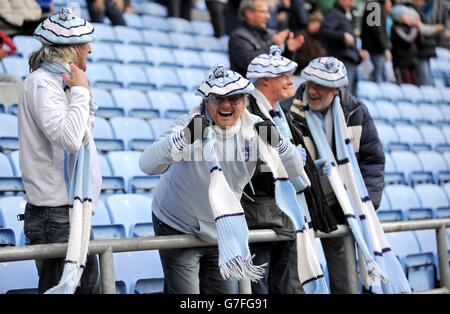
376,259
80,200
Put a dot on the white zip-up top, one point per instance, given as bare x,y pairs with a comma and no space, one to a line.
49,124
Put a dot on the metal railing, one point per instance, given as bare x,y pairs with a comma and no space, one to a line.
106,247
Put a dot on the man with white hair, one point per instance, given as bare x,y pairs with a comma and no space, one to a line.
54,122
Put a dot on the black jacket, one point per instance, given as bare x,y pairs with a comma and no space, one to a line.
264,212
370,154
374,37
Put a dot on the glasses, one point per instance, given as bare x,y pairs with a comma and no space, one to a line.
262,11
233,99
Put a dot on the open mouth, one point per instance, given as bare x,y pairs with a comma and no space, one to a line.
225,114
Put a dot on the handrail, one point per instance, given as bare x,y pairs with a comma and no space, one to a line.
105,248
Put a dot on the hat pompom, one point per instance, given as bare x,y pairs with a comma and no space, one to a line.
65,14
275,51
219,71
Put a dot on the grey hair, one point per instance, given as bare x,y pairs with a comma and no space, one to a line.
247,5
53,53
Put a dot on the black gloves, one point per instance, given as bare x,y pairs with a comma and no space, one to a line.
268,133
195,129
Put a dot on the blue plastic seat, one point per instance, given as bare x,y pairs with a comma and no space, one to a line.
191,78
434,162
433,196
133,20
133,131
102,226
431,94
134,102
152,8
179,25
156,22
391,91
157,38
164,79
17,66
446,113
105,33
160,125
432,135
149,286
169,104
131,210
189,59
386,213
191,100
130,54
106,107
387,134
402,197
132,76
411,93
26,45
184,41
410,111
409,164
423,275
14,158
128,35
101,75
368,90
160,56
18,275
202,27
388,110
102,52
409,134
373,110
210,43
104,136
389,166
10,184
212,58
9,138
445,92
431,113
10,207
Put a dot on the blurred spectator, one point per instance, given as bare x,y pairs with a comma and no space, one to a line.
339,39
405,38
312,47
438,12
232,21
112,9
47,6
19,16
5,40
217,10
254,38
374,36
298,16
180,8
430,33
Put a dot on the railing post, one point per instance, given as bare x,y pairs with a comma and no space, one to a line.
107,272
442,251
350,263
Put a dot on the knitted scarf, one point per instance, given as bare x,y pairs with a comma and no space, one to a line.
80,201
376,259
309,271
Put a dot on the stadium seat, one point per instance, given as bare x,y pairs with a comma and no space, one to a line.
189,59
105,33
387,134
160,57
152,9
432,135
409,164
434,162
202,27
191,100
9,139
191,78
20,275
132,76
410,111
386,213
179,25
7,237
391,91
373,110
409,134
368,90
104,136
131,210
169,104
212,58
133,20
26,45
160,125
133,131
411,93
9,183
387,110
184,41
128,35
445,92
130,54
389,166
10,207
210,43
17,66
431,94
156,22
106,107
403,197
14,158
135,103
149,286
110,184
426,273
431,113
102,226
100,75
102,52
433,196
157,38
164,79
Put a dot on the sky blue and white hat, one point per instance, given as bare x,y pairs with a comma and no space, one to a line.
270,65
64,28
326,71
223,82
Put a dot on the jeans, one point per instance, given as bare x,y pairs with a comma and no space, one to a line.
191,270
277,275
352,76
43,225
111,11
378,61
423,72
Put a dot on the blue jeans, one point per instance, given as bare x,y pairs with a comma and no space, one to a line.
378,61
277,275
352,76
191,270
424,72
43,225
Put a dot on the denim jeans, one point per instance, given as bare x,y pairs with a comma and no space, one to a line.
45,225
424,72
378,61
191,270
352,76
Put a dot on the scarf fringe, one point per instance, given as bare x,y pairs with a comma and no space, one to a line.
242,269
